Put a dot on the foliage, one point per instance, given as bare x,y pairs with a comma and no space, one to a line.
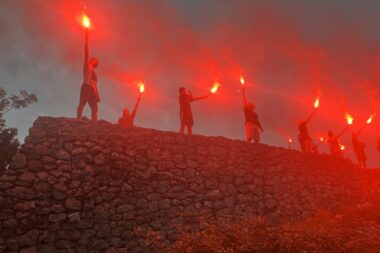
8,136
323,232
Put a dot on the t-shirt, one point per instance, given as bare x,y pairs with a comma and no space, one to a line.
185,109
126,122
251,117
304,132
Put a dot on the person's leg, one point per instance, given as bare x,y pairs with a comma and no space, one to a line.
249,132
256,134
94,108
82,101
182,128
190,130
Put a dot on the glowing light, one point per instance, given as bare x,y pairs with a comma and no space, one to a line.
242,81
215,87
141,87
86,22
290,140
342,147
349,119
369,121
322,139
316,103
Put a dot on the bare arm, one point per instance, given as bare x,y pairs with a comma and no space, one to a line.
136,107
311,116
86,51
199,98
245,104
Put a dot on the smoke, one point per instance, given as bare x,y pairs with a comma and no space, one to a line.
287,52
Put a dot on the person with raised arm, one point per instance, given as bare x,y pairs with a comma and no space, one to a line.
304,137
127,120
253,128
335,147
359,149
89,89
186,115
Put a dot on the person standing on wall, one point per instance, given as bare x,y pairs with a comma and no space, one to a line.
253,128
127,120
359,148
186,115
89,89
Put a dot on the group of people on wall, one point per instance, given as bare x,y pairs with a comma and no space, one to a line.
89,94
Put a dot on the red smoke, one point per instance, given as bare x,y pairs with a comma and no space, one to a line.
287,54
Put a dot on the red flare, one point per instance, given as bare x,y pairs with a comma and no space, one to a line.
316,103
215,87
242,81
369,121
349,119
141,87
86,22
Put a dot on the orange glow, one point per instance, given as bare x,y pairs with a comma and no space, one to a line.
215,87
349,119
141,87
242,81
86,22
369,121
316,103
342,147
290,140
322,139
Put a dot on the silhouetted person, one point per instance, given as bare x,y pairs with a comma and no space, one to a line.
304,136
334,145
359,148
186,115
127,120
89,90
253,126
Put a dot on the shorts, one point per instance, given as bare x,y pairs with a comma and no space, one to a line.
252,132
88,95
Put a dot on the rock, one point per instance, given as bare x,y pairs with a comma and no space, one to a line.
29,238
57,217
19,161
77,151
74,217
62,155
27,177
164,204
73,204
99,244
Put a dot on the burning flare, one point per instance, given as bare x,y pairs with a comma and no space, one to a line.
322,139
86,22
215,87
141,87
242,81
369,121
342,147
290,140
349,119
316,103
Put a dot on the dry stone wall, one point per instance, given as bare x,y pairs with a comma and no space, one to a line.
79,186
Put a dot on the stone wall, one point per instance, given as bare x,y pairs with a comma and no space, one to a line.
79,186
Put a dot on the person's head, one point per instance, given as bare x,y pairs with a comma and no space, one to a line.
330,134
182,90
125,113
302,126
251,106
94,62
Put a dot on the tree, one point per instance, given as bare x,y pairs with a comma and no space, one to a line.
9,143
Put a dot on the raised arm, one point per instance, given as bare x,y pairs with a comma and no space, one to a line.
311,116
245,104
133,115
199,98
86,51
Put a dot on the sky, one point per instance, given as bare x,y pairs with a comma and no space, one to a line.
289,52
